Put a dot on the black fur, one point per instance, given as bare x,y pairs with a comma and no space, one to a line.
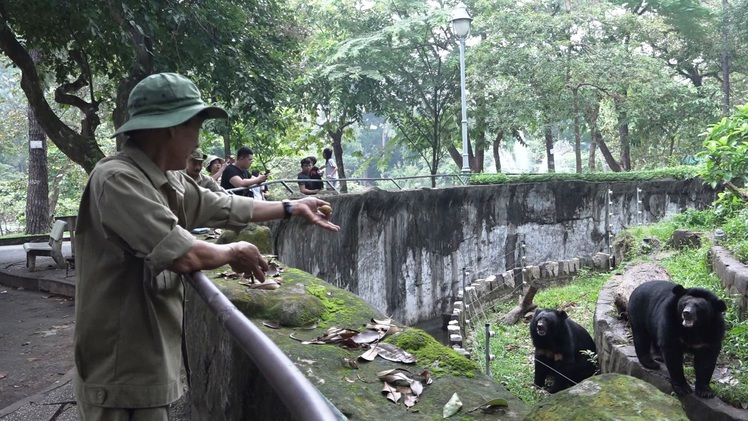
670,320
558,342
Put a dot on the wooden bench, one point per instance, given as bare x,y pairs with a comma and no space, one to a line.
53,248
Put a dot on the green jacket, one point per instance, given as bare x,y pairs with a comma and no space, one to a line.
133,222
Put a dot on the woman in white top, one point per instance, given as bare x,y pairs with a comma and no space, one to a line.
331,168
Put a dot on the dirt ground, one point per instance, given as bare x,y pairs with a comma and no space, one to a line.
36,342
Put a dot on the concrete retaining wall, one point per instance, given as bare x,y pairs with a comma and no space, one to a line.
404,252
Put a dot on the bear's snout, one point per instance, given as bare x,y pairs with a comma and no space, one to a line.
541,327
689,316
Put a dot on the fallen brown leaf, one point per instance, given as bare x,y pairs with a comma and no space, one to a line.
272,324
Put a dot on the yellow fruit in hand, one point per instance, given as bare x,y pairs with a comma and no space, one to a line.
326,209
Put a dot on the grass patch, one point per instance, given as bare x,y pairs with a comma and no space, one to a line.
512,347
513,363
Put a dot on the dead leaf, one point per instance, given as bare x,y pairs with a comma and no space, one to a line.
390,392
309,325
304,342
272,324
370,354
386,321
409,400
392,353
493,403
267,285
366,337
426,378
416,387
397,376
349,363
273,269
452,406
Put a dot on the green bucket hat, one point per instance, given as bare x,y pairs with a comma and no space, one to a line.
198,155
165,100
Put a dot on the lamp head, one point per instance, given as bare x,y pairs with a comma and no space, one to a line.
461,20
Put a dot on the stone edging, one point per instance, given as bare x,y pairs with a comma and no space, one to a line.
732,273
484,291
616,355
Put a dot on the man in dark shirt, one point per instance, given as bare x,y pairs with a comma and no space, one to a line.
237,174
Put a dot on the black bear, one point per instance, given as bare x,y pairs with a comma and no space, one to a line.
669,320
559,342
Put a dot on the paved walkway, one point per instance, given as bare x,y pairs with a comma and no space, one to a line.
56,402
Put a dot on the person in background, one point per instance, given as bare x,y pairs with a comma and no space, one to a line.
331,168
237,174
192,168
259,190
307,187
315,174
134,247
215,166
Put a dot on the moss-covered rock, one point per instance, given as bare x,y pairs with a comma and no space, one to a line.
230,386
609,397
259,235
440,359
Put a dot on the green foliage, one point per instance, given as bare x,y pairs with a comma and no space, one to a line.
695,219
678,173
12,200
726,150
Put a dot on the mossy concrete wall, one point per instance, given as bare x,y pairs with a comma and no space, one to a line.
404,252
227,385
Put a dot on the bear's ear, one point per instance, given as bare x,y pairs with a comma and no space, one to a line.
720,306
562,315
678,290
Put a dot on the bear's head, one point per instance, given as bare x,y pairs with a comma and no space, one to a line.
546,321
697,306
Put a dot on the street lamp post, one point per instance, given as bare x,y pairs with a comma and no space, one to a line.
461,28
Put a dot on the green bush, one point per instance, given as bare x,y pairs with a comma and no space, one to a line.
726,150
678,173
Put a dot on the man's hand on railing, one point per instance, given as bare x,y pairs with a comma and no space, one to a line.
309,209
246,258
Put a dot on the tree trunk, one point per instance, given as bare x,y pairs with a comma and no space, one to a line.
593,148
524,305
37,197
609,159
549,148
725,61
337,148
577,137
623,133
476,164
591,114
496,156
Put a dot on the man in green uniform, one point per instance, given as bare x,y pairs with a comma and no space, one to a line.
133,244
193,168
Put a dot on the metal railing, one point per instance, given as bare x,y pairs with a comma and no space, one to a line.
291,185
299,396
